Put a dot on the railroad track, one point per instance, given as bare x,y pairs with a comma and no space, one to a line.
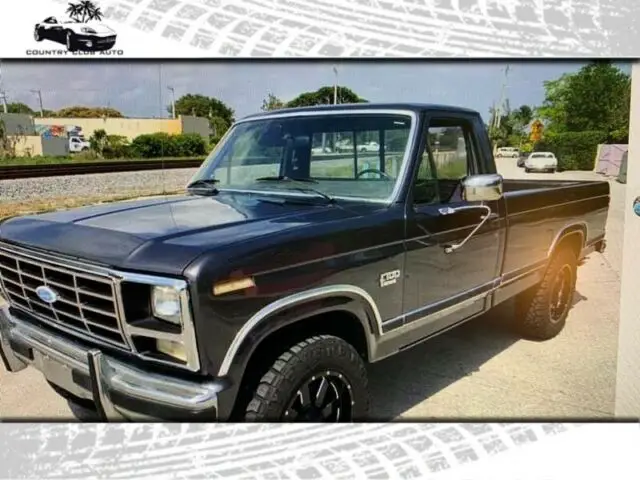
56,170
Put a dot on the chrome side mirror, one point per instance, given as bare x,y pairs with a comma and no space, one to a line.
482,188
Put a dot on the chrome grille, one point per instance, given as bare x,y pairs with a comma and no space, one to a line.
87,303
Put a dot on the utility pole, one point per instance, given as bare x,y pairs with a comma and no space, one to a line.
39,93
3,94
503,92
335,86
173,101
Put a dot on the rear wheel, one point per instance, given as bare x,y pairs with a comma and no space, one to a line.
320,379
542,311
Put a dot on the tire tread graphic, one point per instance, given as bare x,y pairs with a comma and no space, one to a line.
371,450
321,28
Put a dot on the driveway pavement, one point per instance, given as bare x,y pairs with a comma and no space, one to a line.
479,370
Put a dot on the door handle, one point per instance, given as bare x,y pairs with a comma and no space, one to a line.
450,211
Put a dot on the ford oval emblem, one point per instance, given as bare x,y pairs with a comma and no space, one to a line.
46,294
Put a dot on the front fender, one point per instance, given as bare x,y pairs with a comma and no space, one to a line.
289,311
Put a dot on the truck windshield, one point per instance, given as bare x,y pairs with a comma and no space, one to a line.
345,155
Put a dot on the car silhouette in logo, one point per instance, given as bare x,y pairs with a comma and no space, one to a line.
46,294
80,30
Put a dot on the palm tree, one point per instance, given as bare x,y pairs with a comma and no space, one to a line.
84,11
74,11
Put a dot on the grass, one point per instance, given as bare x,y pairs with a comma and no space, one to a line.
76,159
27,207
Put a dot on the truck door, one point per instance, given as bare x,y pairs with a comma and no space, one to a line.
443,288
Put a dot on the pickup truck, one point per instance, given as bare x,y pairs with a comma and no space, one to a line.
263,291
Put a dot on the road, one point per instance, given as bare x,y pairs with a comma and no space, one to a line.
480,370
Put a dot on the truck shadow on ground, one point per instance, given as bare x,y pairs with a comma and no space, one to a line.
409,378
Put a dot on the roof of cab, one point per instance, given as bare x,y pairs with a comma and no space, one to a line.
415,107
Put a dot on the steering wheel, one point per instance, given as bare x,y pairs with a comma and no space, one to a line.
374,170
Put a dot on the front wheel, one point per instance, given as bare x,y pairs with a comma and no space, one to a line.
543,310
37,35
526,170
72,45
320,379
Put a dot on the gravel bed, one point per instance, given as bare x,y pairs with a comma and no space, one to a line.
97,184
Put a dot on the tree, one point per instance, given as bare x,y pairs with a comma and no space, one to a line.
18,107
272,103
84,11
203,106
596,98
522,117
220,115
88,112
325,96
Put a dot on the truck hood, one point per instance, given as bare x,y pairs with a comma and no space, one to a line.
160,235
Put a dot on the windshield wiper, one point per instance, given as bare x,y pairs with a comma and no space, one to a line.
204,185
285,179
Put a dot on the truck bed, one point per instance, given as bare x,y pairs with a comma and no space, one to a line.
538,211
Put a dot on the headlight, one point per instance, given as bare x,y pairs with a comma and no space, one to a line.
88,30
165,303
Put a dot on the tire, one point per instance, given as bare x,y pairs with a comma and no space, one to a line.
321,363
37,35
526,170
539,319
72,45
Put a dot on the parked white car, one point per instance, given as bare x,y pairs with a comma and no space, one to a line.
320,150
78,144
369,147
541,162
76,35
507,152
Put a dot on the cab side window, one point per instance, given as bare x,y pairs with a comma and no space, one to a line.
448,157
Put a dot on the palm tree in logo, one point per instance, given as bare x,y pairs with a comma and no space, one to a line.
84,11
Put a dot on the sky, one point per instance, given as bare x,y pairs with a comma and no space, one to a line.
139,89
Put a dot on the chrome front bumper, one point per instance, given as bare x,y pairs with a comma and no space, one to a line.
540,168
119,391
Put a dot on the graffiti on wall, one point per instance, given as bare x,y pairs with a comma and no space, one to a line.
48,131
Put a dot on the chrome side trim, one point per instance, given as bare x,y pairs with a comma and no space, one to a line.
484,290
438,314
583,230
291,300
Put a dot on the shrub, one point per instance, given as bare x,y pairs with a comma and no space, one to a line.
117,146
157,145
152,145
575,150
190,145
